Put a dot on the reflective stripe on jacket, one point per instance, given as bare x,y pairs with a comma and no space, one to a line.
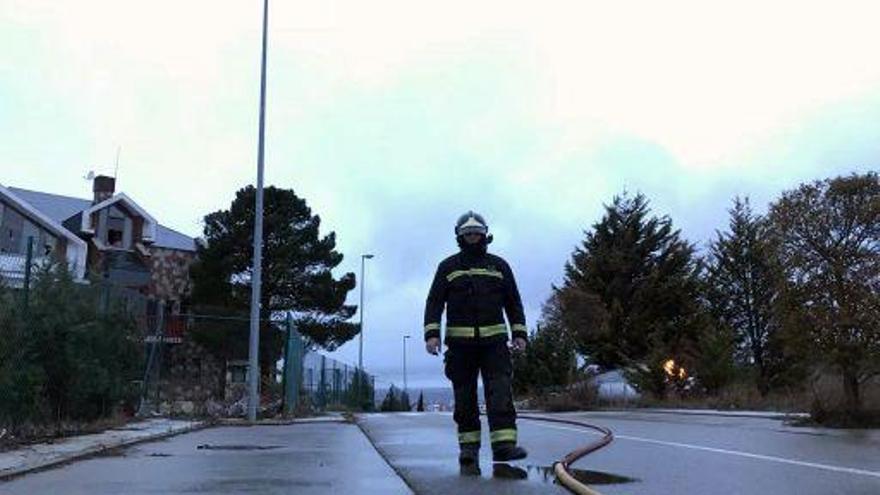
476,291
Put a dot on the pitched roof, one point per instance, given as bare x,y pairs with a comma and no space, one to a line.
60,208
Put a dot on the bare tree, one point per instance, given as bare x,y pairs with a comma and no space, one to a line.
829,247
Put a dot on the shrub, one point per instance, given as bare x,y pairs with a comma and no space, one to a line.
73,354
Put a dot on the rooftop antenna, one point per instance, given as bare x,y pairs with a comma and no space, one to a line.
116,170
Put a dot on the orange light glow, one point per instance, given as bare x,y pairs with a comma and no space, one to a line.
673,370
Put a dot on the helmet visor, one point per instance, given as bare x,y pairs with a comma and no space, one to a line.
472,224
474,229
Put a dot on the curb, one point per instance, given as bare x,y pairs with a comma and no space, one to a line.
698,412
728,414
686,412
96,450
281,422
397,471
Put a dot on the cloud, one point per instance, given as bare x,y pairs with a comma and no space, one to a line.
393,117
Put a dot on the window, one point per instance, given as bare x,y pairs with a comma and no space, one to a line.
11,232
118,229
239,373
114,238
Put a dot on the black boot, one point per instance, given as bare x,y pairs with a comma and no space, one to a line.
469,460
508,451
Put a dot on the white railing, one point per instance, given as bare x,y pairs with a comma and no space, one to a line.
12,268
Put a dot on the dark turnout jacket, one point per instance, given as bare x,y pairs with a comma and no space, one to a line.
476,290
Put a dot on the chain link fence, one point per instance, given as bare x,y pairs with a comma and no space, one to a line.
331,384
197,362
161,358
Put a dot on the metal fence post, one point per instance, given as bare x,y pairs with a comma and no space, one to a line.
345,385
151,358
161,347
299,363
336,382
292,367
322,393
286,357
28,264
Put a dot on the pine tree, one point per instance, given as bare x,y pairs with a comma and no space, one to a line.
743,277
420,407
392,402
550,360
297,274
631,294
404,404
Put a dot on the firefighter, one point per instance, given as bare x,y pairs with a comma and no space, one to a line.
477,288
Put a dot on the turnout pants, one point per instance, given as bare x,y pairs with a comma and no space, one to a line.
464,363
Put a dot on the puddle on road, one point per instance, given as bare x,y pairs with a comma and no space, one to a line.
546,474
256,485
112,452
207,446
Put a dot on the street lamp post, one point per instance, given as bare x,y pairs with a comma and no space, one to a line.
405,387
364,257
254,347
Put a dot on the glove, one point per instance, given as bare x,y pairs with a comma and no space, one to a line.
432,345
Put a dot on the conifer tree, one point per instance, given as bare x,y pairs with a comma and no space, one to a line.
631,294
742,282
297,275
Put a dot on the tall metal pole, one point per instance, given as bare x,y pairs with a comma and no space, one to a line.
358,387
254,349
405,387
361,319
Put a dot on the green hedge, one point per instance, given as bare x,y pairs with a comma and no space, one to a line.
73,354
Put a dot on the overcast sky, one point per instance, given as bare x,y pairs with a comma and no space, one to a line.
393,117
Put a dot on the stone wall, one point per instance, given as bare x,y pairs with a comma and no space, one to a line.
192,378
170,273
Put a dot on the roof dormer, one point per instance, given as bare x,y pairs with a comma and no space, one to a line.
119,222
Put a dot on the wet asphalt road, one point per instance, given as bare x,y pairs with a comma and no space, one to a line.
652,454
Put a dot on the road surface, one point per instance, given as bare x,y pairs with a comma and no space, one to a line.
652,454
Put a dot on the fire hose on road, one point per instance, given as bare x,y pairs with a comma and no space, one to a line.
561,468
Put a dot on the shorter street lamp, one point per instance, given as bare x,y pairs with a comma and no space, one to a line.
405,389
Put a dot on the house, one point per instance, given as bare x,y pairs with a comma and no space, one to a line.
22,224
110,236
612,386
113,238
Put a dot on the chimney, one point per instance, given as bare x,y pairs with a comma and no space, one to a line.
104,187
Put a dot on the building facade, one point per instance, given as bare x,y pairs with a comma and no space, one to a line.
109,237
24,227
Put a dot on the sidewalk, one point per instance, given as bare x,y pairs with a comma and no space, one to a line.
43,455
311,457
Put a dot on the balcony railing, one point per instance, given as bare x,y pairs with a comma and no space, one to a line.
12,268
171,330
